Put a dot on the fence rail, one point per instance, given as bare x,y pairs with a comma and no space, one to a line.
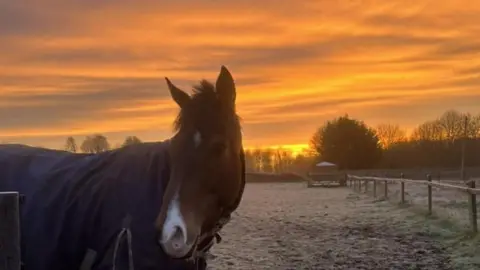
470,189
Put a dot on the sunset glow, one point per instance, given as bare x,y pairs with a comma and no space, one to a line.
294,149
82,67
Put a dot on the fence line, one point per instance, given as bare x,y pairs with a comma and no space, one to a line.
356,183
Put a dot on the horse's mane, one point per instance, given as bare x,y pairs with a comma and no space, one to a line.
204,91
203,100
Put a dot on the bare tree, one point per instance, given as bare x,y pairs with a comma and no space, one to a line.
277,161
282,160
95,144
428,131
263,160
389,134
473,126
452,123
257,160
476,121
71,145
249,160
267,160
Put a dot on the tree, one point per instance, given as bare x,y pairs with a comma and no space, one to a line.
428,131
473,126
347,142
131,140
282,160
249,161
452,123
389,134
267,160
438,143
95,144
257,160
71,145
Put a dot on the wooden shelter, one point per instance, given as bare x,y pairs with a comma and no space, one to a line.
325,174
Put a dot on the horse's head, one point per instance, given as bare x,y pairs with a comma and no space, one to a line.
206,159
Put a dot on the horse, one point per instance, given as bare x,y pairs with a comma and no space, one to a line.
153,205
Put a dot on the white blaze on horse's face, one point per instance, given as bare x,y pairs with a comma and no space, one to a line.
174,233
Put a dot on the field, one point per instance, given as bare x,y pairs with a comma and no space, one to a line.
288,226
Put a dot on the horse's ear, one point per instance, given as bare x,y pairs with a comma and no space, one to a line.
180,97
225,87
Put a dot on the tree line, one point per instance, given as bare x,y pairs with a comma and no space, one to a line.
277,160
96,143
439,142
351,144
257,160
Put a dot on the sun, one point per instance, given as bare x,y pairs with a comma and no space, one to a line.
294,149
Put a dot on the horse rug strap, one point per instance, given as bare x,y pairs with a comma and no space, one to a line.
90,255
124,232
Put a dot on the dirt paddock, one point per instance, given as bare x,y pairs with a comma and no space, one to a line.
289,226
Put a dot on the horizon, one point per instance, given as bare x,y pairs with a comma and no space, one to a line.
91,67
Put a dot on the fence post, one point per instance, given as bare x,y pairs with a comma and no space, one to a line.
385,190
402,188
366,185
374,188
429,179
9,231
472,198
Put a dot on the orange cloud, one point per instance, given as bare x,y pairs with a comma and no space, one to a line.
74,68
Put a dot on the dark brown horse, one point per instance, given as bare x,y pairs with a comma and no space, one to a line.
142,206
206,157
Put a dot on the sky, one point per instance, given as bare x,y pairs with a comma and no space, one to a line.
73,68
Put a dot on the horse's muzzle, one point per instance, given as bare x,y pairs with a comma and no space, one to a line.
177,247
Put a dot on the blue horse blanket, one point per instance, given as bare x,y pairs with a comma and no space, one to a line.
76,203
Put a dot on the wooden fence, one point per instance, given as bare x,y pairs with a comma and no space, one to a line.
10,231
470,190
